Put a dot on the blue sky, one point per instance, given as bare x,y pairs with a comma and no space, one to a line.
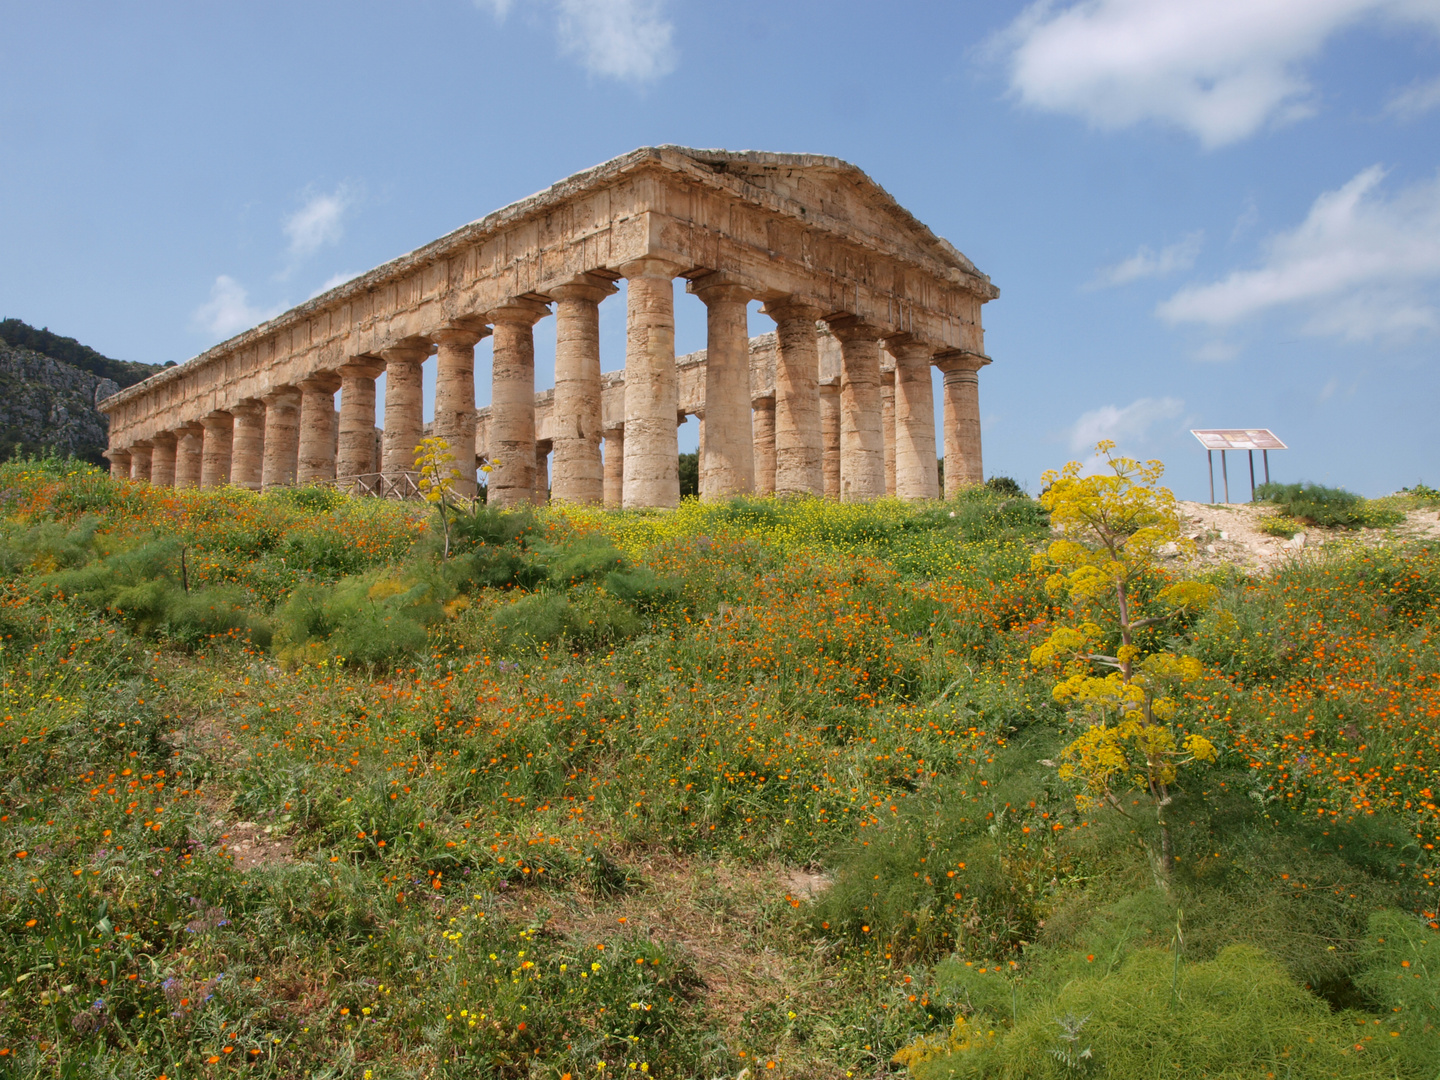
1206,214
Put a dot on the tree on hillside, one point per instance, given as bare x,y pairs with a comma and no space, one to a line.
1115,523
124,373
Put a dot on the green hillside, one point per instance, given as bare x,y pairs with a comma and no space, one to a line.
123,373
758,788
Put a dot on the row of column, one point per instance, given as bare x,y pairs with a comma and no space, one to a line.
862,437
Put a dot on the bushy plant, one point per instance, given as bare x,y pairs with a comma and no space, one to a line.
1326,506
368,620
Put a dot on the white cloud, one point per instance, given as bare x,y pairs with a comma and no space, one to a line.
629,40
1415,100
228,311
318,222
1146,263
500,8
1216,352
1362,265
336,279
1219,69
1130,422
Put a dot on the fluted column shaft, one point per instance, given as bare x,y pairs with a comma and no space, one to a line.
915,466
963,466
455,400
140,461
763,421
830,436
282,437
578,475
404,408
652,394
119,463
512,403
162,459
887,426
862,441
355,448
316,460
189,452
247,447
798,453
215,456
614,468
727,453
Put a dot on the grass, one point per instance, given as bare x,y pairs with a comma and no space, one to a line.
758,785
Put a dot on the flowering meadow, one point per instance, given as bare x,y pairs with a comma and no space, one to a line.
751,788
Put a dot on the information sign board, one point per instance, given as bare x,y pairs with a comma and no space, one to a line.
1238,439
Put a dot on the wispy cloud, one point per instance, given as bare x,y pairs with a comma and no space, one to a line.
1146,263
1128,423
1219,69
1216,352
1362,265
498,8
629,40
229,311
1415,100
319,222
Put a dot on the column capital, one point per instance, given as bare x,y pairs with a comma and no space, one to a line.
405,351
219,419
905,347
591,287
649,267
763,399
850,328
521,311
466,336
955,360
887,376
788,308
250,407
190,427
163,438
281,394
141,444
360,367
324,382
721,287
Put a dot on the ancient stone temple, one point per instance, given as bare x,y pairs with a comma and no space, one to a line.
835,402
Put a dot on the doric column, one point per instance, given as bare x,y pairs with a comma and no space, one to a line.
614,468
915,468
316,460
727,460
455,399
282,437
404,408
579,476
247,449
652,394
797,399
355,448
962,419
762,411
512,402
542,474
887,425
215,456
862,442
830,436
119,463
162,459
140,460
189,453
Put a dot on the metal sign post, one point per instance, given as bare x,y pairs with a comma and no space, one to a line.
1247,439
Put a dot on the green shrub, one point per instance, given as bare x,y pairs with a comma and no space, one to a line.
584,619
311,497
1005,487
368,620
1402,979
1327,507
1281,525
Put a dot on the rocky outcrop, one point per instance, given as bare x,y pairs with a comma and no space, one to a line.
47,405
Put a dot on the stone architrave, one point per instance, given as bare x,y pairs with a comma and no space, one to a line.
512,402
282,437
455,399
727,461
119,463
404,408
862,439
915,465
798,450
652,393
963,466
162,459
215,457
355,445
189,454
762,411
578,474
830,436
140,461
247,447
316,461
887,425
614,468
